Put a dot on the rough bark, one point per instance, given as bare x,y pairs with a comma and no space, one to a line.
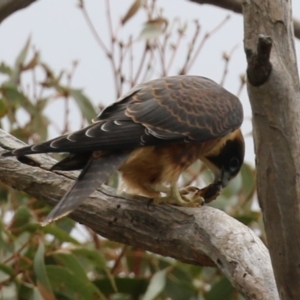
200,236
7,7
236,6
276,123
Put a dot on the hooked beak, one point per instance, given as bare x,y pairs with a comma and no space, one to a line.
222,178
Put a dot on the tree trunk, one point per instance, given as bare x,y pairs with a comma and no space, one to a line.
273,88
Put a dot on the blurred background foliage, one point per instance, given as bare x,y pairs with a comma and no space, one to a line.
69,261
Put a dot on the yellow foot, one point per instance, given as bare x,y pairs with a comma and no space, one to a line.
193,194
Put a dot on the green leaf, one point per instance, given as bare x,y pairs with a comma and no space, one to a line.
248,180
221,290
92,255
16,98
135,287
38,124
71,285
6,269
22,55
72,263
179,284
24,290
97,260
5,236
84,104
22,217
5,69
15,75
42,103
60,234
39,268
3,108
156,285
36,294
3,276
66,224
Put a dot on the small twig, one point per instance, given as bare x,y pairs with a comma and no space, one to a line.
17,253
118,260
110,27
205,38
175,49
66,114
148,68
94,31
150,9
242,84
34,84
162,48
130,62
137,261
142,61
191,48
161,52
117,76
227,58
67,98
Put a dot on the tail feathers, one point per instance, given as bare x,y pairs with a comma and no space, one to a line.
43,147
95,173
74,161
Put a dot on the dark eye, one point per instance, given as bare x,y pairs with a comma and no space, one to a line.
234,164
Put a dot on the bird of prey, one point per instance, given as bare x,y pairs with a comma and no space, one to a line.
151,135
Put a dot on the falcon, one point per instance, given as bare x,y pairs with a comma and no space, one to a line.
151,135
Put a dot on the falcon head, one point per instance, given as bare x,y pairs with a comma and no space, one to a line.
227,157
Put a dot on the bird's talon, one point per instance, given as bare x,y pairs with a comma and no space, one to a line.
189,189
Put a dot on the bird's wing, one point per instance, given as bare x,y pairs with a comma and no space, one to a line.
94,174
166,110
189,107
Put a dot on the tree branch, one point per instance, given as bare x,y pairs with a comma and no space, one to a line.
236,6
200,236
275,107
8,7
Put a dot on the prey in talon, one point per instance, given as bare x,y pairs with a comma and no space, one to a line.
151,135
208,193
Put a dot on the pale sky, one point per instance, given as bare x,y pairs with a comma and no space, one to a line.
58,29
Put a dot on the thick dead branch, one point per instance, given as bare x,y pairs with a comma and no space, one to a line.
8,7
276,123
200,236
236,6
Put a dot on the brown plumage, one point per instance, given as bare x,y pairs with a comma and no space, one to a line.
152,134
